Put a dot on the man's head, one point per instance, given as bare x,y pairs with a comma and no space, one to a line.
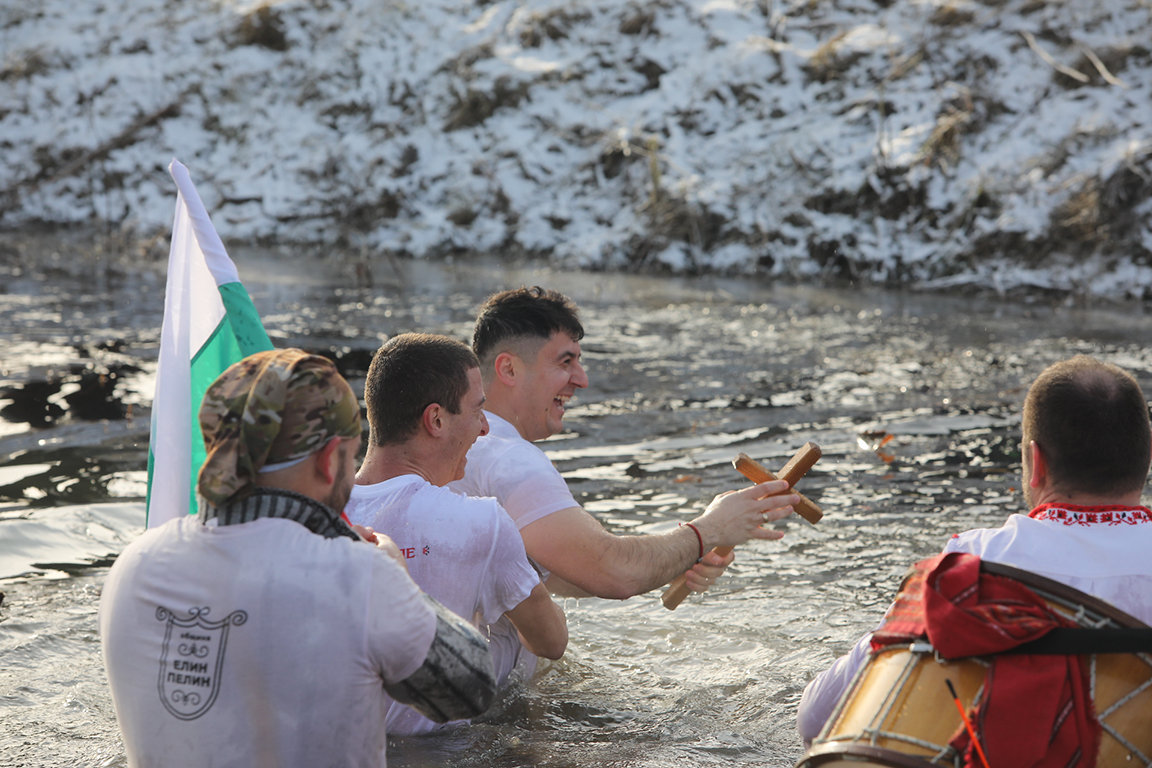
273,411
527,341
522,316
425,386
1090,422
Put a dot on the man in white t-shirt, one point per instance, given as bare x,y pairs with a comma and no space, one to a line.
1086,449
264,630
528,344
425,409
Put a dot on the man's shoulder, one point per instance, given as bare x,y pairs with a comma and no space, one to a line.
508,453
974,538
461,503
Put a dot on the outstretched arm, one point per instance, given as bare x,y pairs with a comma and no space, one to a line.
541,623
574,546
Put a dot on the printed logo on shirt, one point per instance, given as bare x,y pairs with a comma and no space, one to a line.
410,552
192,658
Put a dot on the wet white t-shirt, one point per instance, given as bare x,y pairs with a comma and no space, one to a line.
257,644
465,552
514,471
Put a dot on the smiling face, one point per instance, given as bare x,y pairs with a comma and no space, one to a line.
462,429
551,378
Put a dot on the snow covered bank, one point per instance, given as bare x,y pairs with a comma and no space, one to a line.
951,142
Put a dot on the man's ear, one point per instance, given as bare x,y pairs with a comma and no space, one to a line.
433,419
327,461
1039,465
506,367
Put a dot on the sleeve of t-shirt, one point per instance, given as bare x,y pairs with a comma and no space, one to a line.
528,486
400,624
511,577
954,544
972,542
824,692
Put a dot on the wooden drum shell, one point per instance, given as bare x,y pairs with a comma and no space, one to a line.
898,712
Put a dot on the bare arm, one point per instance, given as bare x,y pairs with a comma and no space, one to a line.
575,547
561,588
541,623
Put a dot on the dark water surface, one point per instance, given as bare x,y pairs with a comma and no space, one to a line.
914,399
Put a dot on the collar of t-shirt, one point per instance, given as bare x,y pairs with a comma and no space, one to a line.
389,486
1076,514
501,427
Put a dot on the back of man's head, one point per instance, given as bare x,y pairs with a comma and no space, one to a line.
1090,420
522,313
408,373
270,411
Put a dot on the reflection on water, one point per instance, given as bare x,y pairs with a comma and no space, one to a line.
914,400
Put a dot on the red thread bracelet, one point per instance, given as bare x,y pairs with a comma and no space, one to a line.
699,538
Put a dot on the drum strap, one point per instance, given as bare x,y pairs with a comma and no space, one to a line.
1065,641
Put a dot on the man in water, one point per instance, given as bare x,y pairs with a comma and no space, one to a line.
1086,449
264,630
425,410
528,344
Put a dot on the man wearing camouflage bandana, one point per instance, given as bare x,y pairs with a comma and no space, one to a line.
264,630
262,423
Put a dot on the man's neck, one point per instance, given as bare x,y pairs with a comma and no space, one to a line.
383,463
1087,499
500,407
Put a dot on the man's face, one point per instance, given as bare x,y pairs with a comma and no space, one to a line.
341,491
462,429
551,379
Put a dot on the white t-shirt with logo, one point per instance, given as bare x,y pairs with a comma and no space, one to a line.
464,552
257,644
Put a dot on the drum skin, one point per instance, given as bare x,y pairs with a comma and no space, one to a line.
898,712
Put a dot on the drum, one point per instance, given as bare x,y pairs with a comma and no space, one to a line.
898,711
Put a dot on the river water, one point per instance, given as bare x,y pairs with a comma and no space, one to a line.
914,398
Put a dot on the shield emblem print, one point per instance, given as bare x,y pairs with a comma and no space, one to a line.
192,659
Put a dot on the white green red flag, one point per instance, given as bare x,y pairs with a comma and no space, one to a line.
209,323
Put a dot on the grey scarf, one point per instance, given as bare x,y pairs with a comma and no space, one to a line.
277,502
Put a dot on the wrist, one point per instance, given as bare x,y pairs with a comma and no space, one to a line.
706,533
698,540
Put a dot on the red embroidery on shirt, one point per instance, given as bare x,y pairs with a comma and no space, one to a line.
1073,514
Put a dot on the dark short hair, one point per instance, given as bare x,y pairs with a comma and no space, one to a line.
409,373
523,312
1091,421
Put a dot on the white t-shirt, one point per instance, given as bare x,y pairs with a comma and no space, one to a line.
259,644
517,473
465,552
1107,558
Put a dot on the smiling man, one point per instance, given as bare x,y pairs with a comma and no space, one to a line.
425,410
528,344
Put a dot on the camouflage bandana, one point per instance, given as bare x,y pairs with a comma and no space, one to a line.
272,407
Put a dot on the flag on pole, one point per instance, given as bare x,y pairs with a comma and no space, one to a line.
209,323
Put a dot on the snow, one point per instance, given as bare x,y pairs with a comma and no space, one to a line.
918,142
